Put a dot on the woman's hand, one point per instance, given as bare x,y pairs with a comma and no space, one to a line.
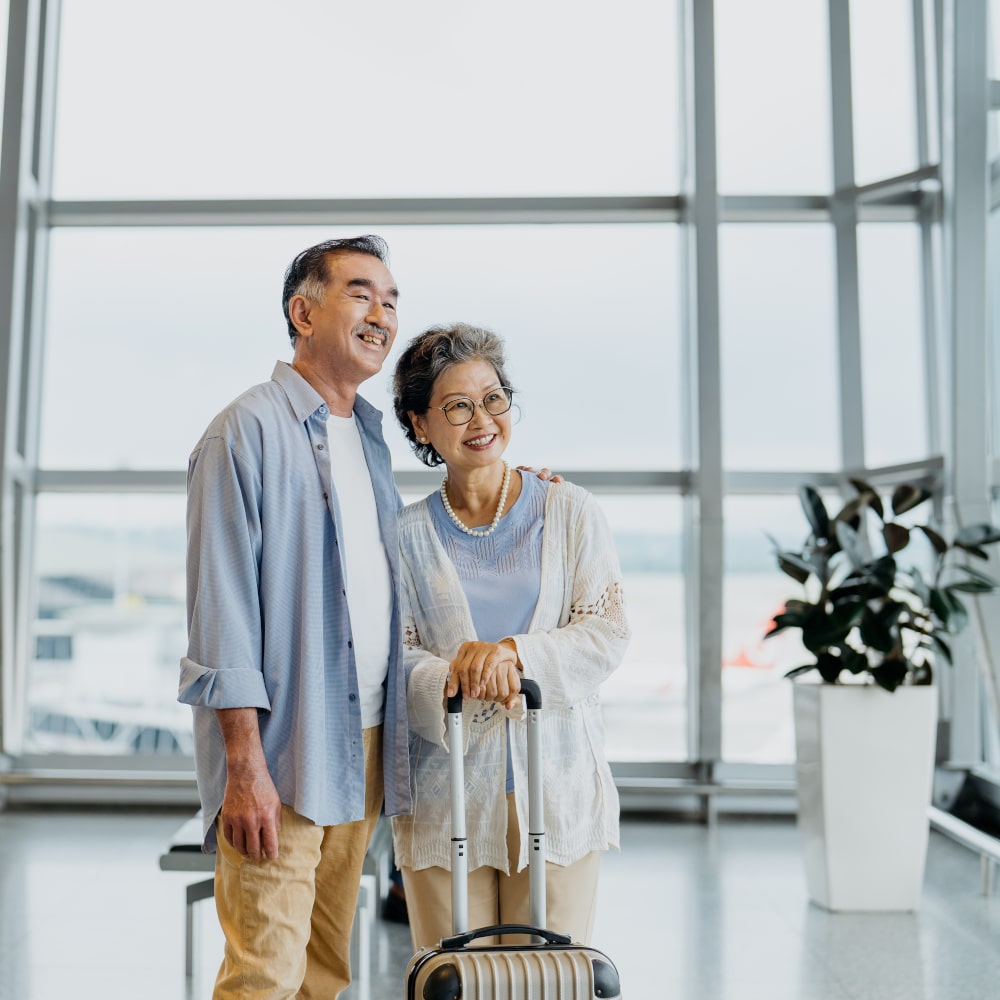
542,473
487,670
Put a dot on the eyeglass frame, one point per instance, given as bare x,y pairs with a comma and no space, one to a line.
505,389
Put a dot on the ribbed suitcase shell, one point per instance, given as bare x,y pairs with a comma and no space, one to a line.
528,972
458,968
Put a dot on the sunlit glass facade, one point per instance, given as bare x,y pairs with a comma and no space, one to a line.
730,247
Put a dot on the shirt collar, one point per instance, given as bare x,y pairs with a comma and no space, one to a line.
305,400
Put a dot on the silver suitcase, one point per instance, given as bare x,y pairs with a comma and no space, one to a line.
458,968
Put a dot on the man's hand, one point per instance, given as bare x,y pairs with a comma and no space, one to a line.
487,670
251,809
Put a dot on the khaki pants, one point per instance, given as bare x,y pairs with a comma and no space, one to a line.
287,922
496,898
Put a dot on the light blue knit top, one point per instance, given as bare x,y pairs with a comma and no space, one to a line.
501,574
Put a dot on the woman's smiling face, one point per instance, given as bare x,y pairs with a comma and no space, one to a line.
483,440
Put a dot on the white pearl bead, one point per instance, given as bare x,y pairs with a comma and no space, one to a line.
496,517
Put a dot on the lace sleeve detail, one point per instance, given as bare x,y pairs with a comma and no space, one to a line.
609,607
411,637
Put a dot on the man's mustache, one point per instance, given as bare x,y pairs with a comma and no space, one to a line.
363,328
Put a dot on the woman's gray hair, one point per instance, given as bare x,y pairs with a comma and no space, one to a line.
425,359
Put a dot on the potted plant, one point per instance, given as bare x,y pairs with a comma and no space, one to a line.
876,627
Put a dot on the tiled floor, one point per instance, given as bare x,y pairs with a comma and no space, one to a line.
687,914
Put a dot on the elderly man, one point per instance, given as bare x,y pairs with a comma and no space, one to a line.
293,665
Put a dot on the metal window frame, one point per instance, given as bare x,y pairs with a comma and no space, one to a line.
28,214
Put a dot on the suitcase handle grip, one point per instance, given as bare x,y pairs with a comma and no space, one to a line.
529,688
460,940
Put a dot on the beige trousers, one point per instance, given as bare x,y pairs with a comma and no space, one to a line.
287,922
496,898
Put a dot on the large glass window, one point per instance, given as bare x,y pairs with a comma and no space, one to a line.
884,83
993,253
149,331
149,323
774,137
779,358
892,343
756,697
319,98
109,626
645,701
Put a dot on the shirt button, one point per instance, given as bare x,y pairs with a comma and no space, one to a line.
350,645
352,697
322,409
319,447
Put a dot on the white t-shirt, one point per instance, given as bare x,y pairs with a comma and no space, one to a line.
366,570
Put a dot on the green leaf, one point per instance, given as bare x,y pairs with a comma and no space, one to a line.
829,667
972,587
851,512
906,496
941,646
856,662
975,574
878,627
976,535
794,566
896,536
822,630
798,671
852,543
890,674
973,551
881,574
868,496
940,545
815,511
920,587
949,609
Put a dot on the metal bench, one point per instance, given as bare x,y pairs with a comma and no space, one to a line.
987,847
185,855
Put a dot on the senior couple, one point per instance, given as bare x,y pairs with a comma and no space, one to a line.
327,625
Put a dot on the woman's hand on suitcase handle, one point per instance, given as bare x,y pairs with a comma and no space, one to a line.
487,670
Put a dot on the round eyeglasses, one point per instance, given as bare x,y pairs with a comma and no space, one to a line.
461,410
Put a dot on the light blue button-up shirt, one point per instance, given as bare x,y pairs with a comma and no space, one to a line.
268,623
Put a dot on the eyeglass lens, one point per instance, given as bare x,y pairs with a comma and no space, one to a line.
460,411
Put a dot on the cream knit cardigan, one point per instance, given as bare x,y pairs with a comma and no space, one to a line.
577,637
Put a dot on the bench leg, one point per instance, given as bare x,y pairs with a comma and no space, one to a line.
364,919
196,892
987,867
361,932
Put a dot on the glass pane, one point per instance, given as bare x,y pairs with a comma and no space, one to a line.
773,96
109,626
892,343
151,332
993,13
311,98
779,361
993,257
756,697
645,700
993,62
884,89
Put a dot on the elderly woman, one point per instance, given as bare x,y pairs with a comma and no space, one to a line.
504,575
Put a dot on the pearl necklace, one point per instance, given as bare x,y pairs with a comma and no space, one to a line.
496,517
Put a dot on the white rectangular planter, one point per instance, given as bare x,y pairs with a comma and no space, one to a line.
865,767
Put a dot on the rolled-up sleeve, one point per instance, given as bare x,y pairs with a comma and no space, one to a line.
223,666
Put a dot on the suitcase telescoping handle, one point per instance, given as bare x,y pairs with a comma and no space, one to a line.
536,813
